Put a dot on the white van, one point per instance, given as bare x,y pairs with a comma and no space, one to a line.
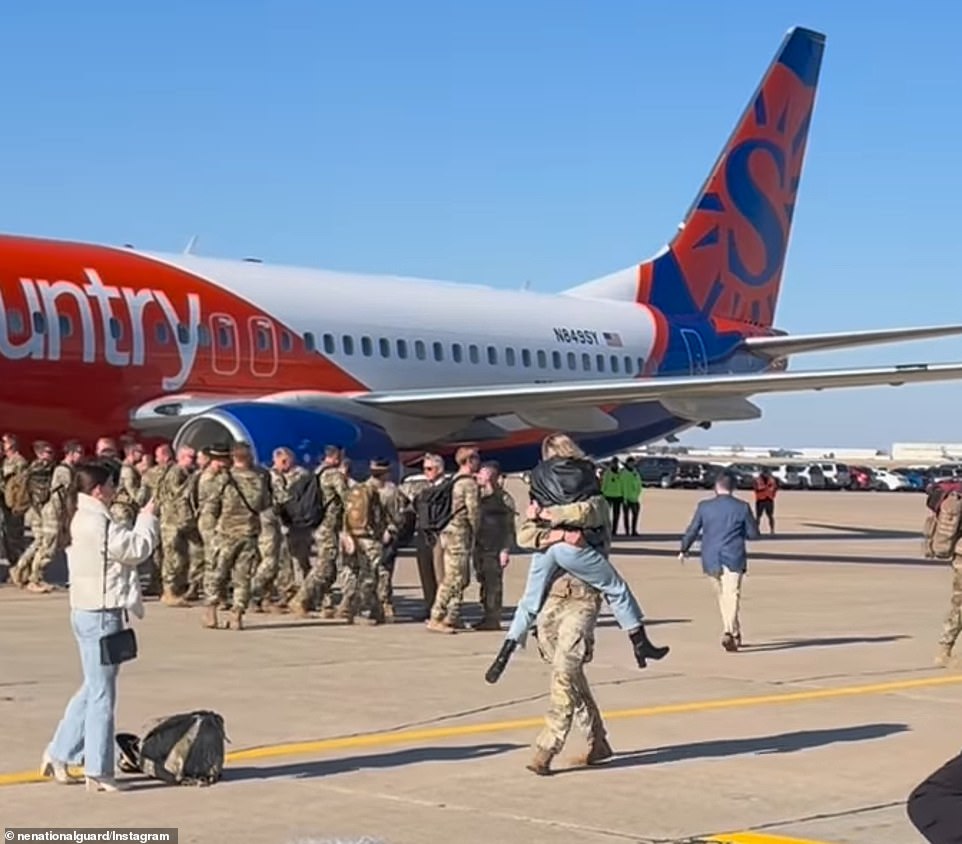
837,475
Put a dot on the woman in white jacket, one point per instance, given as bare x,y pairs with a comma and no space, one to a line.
99,600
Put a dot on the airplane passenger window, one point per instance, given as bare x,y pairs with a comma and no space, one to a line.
66,326
438,351
309,343
183,333
586,362
457,353
402,349
601,363
347,343
556,360
160,330
15,322
384,347
287,344
641,365
263,339
614,364
39,323
420,352
116,329
328,341
473,354
509,356
367,347
526,357
203,335
492,356
542,360
627,365
572,360
224,338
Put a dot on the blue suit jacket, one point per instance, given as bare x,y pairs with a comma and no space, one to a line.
723,523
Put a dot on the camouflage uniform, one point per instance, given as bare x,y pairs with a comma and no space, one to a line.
243,495
953,621
457,545
44,535
495,534
205,498
363,564
299,539
149,487
324,571
565,636
183,565
396,506
54,522
126,503
12,522
269,540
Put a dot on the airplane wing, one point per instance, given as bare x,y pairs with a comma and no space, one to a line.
793,344
509,398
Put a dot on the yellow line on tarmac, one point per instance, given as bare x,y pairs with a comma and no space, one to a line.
757,838
386,739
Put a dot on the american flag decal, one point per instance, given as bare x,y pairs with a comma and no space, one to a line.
612,339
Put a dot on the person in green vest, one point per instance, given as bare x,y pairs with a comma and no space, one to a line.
631,487
612,492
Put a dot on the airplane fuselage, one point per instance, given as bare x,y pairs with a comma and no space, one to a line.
88,334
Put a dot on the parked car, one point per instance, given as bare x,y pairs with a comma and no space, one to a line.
658,471
946,472
861,478
812,477
788,475
745,474
916,478
836,475
888,481
689,474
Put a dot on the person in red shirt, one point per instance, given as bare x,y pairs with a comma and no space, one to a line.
766,488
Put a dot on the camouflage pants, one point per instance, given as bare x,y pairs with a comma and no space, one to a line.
487,569
47,541
320,579
208,537
364,578
12,536
183,557
566,626
236,558
269,549
953,621
457,556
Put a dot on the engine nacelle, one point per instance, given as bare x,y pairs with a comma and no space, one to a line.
266,426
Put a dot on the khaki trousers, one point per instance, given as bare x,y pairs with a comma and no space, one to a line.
728,585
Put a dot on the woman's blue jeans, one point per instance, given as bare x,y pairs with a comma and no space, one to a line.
86,732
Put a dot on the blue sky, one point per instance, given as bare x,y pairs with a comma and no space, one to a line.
501,143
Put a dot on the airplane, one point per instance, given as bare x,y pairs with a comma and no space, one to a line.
99,339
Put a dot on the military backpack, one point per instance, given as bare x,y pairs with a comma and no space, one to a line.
363,510
16,493
185,749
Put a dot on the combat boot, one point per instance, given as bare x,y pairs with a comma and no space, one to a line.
540,763
169,599
327,612
387,612
210,617
487,623
944,657
599,751
236,620
440,626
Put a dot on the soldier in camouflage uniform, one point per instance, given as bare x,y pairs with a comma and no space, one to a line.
495,541
149,484
45,535
365,532
565,636
399,510
265,577
298,540
126,502
323,573
242,490
204,497
55,516
183,571
457,543
13,463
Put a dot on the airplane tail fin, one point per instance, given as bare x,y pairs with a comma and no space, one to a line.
727,258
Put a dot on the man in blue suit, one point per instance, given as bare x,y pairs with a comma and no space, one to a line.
723,524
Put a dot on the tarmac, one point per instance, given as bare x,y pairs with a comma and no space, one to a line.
816,731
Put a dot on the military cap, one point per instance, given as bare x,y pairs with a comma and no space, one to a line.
219,451
380,465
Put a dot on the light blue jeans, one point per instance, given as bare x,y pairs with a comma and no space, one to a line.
585,563
86,732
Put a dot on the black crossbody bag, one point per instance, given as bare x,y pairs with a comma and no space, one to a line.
121,646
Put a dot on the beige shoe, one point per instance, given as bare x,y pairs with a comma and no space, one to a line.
236,620
944,657
439,626
108,784
540,763
210,617
50,767
599,752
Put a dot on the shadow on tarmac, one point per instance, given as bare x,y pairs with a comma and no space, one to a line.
759,746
